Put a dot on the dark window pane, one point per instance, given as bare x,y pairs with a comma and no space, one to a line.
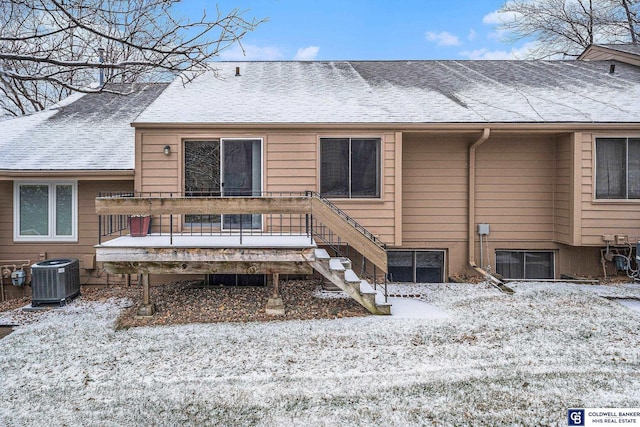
242,177
202,177
64,210
429,266
34,210
201,167
634,168
400,265
241,167
611,168
365,164
334,167
510,265
538,265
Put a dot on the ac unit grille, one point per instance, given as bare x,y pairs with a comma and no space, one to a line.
55,281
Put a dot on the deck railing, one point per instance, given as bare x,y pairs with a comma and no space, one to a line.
212,213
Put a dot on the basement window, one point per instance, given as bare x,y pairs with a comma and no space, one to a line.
618,168
350,167
45,211
236,279
416,266
525,264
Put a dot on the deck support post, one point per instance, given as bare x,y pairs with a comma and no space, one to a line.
147,308
275,306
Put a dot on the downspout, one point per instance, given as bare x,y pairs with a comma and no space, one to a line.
486,132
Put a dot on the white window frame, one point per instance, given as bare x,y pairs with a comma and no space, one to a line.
51,213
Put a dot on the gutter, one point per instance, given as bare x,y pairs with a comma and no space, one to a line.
94,175
486,132
455,127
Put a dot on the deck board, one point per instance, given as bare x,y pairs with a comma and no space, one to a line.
210,241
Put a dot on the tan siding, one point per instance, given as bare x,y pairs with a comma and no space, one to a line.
434,175
515,187
87,231
290,165
378,216
600,217
515,181
563,190
598,53
158,172
291,162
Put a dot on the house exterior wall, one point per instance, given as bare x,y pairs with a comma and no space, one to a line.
564,191
534,189
602,217
87,234
525,188
290,164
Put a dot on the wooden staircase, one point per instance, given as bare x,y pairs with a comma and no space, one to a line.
338,271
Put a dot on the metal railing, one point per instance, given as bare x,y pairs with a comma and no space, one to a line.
244,224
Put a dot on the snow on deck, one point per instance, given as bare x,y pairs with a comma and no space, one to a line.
210,241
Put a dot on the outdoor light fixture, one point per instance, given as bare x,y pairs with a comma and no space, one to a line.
167,150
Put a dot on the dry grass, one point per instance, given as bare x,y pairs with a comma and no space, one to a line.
192,302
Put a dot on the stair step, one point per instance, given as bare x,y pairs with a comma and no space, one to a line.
346,262
351,277
365,288
336,265
380,299
322,254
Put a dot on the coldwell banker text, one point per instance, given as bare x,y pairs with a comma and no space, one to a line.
600,416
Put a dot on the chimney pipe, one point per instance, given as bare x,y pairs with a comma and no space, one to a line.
237,71
101,70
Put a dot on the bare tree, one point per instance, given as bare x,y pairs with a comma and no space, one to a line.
51,48
567,27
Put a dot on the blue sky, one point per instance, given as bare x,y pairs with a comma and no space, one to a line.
368,30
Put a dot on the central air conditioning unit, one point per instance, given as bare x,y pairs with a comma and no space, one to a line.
55,281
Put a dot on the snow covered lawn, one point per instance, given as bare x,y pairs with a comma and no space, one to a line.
493,359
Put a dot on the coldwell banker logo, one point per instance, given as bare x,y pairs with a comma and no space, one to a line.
576,417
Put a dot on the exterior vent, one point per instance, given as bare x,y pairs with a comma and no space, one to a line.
55,281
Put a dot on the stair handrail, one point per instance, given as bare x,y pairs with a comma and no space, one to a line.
355,224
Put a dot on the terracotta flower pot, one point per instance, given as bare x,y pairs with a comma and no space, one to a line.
139,226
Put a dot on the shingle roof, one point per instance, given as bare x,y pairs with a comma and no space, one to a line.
404,92
633,49
84,132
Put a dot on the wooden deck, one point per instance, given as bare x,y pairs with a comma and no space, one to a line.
285,242
207,254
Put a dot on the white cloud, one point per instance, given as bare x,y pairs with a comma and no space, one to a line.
496,17
443,38
472,35
307,53
251,53
521,52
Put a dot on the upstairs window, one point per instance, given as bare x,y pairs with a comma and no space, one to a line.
45,211
618,168
350,167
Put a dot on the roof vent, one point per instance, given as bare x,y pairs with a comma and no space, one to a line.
612,68
237,71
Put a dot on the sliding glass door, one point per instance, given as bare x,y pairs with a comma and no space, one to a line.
242,176
228,167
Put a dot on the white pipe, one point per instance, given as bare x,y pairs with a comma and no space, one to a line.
486,132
